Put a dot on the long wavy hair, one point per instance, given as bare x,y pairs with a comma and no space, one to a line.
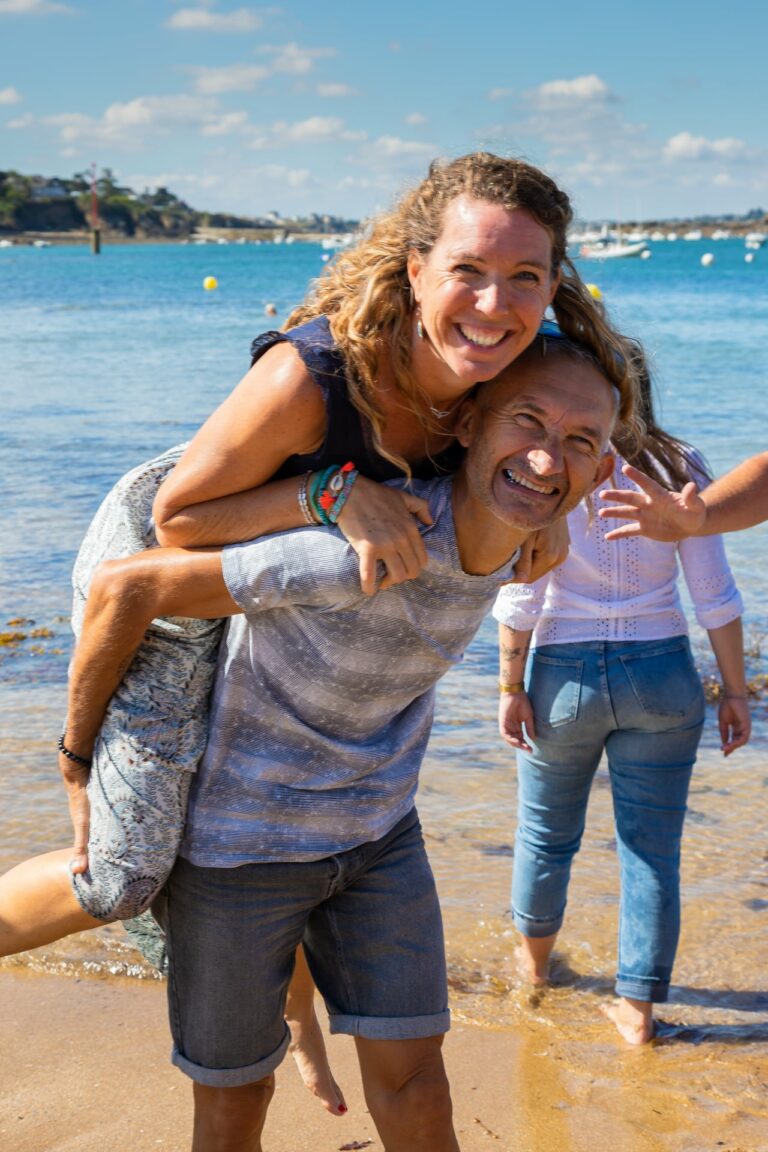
365,291
668,460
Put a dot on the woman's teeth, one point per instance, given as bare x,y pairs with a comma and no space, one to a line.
482,336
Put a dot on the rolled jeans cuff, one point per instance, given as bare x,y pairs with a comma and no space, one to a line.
232,1077
391,1027
649,990
536,928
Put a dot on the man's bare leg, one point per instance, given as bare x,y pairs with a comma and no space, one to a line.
231,1119
407,1092
633,1019
38,904
533,955
307,1043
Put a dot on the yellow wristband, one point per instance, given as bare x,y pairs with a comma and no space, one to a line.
511,689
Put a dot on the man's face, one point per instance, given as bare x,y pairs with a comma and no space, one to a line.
537,439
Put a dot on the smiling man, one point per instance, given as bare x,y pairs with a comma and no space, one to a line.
301,825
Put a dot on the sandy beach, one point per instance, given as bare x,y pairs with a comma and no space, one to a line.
85,1067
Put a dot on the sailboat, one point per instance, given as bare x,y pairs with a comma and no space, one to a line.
608,247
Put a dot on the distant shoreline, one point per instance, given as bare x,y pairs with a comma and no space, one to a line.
209,236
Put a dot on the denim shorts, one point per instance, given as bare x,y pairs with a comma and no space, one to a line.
370,924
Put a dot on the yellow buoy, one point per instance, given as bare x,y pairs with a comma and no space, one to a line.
594,291
210,283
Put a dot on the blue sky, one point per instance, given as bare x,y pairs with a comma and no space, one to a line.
332,106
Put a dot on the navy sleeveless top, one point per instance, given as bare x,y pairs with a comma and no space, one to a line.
348,434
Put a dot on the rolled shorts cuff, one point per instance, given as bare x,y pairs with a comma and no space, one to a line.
535,927
232,1077
391,1027
647,989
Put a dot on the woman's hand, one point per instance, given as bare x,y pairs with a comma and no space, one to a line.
515,711
76,783
735,723
382,525
542,551
653,511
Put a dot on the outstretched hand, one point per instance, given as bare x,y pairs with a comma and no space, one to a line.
735,723
516,720
382,525
653,511
76,784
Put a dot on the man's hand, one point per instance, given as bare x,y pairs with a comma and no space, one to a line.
542,551
515,711
381,524
76,782
653,511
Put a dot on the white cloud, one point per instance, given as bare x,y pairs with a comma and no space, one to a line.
33,8
335,90
10,96
500,93
127,125
415,118
582,90
230,78
293,59
281,174
224,124
204,20
394,146
315,128
685,146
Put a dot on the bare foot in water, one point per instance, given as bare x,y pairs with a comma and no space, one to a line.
308,1050
633,1019
532,955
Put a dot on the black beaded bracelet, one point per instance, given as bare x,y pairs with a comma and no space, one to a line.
81,760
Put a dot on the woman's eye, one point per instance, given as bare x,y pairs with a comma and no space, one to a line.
526,274
466,268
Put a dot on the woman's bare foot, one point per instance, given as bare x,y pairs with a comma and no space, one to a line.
532,956
633,1019
308,1050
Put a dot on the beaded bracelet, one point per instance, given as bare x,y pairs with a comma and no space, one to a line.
335,495
304,507
315,488
81,760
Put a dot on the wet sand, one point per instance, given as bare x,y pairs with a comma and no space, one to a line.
84,1067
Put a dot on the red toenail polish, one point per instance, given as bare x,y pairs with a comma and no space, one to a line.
342,1108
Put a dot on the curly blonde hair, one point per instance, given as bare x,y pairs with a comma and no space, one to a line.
365,291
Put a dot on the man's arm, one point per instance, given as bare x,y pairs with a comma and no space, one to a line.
124,597
737,500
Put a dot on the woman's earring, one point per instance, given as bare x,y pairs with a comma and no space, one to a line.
420,327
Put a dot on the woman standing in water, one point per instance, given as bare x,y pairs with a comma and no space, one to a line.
612,672
443,292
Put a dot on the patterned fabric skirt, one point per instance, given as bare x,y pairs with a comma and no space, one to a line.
155,728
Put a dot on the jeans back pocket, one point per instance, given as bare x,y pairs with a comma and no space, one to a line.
665,681
554,688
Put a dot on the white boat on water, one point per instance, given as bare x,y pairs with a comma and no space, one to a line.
695,234
755,240
607,249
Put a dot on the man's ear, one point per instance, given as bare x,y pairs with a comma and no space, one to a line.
604,470
465,424
413,266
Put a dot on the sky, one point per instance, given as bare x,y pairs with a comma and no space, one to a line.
332,106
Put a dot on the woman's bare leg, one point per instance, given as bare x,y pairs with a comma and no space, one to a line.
533,955
307,1043
38,904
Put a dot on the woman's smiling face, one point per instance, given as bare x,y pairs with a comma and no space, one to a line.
481,290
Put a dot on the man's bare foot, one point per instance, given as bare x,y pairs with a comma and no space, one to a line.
633,1019
308,1050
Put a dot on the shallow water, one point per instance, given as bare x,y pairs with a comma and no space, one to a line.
108,361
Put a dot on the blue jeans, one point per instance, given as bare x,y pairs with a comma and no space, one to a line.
372,933
642,704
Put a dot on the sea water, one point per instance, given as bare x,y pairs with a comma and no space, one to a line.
107,360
